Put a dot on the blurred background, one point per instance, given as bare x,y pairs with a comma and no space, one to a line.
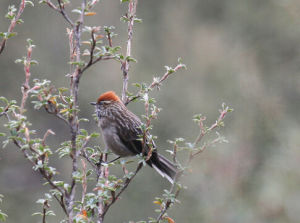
244,53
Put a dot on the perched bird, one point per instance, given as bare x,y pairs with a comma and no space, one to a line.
122,133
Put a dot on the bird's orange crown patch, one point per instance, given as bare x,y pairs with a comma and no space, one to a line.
108,96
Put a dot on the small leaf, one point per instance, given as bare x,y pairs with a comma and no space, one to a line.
90,13
29,3
157,202
11,35
76,11
63,110
3,216
138,20
170,220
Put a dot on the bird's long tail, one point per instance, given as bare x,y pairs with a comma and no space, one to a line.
163,166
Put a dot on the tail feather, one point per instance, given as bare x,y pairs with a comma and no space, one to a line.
163,166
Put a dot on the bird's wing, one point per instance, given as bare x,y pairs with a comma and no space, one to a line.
131,135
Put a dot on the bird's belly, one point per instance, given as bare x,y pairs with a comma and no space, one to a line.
114,143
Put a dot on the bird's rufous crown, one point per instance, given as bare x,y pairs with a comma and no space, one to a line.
108,96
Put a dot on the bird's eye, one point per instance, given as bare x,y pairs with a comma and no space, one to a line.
105,102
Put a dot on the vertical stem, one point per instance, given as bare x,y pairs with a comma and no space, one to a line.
73,119
125,65
26,87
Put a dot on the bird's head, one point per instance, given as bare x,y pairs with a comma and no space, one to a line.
106,101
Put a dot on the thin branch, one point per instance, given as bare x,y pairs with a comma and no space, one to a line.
44,214
109,39
204,131
62,203
125,64
13,24
93,46
156,82
26,86
49,131
64,14
97,60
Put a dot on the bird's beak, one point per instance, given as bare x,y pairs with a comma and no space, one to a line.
93,103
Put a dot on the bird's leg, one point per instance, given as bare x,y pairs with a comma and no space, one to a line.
114,160
108,162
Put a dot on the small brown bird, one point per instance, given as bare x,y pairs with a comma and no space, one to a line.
122,133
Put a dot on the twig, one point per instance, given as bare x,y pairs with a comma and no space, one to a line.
13,24
155,83
204,131
97,60
26,86
62,203
44,213
125,64
109,39
49,131
64,14
93,45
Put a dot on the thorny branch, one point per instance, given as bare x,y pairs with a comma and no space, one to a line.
13,24
125,64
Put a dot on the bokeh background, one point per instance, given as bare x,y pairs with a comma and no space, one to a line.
245,53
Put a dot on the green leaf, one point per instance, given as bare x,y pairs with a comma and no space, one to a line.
10,35
137,20
79,63
34,62
4,99
77,11
3,216
41,201
59,183
124,19
50,213
19,61
131,59
122,1
27,2
95,134
19,21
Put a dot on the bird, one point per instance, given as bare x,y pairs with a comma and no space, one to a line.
121,131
